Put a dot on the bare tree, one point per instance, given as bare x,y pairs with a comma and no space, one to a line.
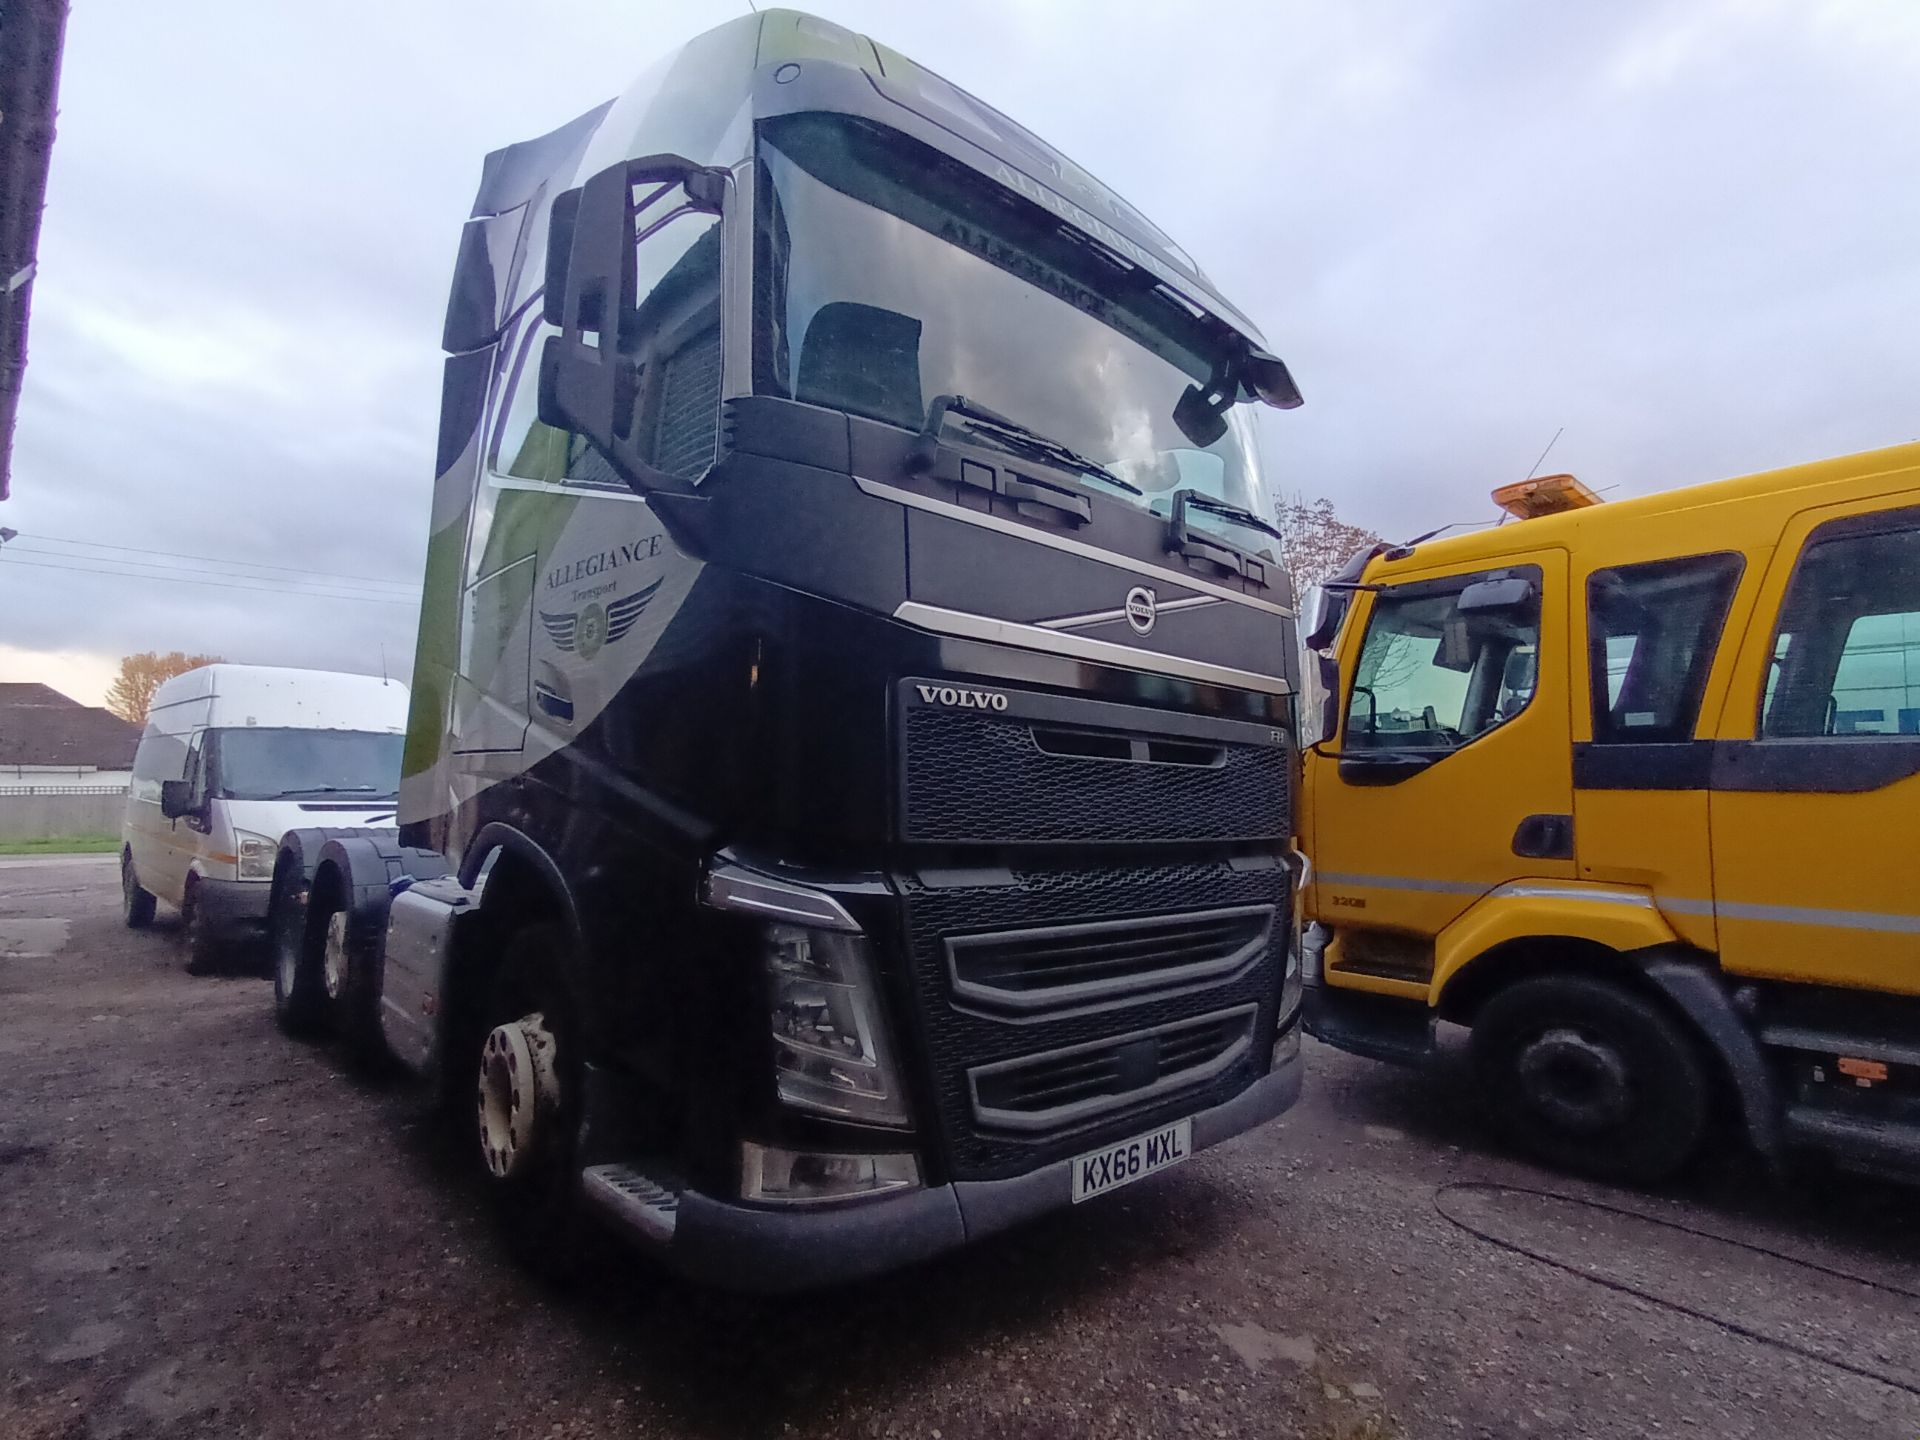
140,675
1318,542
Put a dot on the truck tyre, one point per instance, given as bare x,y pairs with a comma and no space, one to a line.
1591,1077
525,1112
299,994
136,902
203,946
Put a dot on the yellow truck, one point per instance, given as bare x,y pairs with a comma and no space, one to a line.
1633,791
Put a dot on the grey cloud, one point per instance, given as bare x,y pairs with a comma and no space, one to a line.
1690,235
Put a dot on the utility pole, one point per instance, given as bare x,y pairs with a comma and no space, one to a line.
31,35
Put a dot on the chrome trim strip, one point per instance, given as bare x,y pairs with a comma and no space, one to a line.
730,888
1521,891
1104,617
968,626
1072,547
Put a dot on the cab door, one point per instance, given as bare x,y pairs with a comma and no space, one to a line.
1452,770
1816,818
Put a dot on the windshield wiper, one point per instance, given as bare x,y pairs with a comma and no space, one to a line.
1218,550
1008,434
372,790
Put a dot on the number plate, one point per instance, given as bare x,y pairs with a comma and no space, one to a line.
1112,1166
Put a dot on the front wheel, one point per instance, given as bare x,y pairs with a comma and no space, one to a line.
136,901
203,946
1591,1077
524,1055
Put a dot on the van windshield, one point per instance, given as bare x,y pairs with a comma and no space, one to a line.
267,763
887,274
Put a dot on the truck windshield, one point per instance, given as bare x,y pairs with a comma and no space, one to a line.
268,763
889,274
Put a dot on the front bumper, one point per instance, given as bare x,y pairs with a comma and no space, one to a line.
232,904
742,1247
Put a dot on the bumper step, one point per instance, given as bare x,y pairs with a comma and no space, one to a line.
1862,1138
638,1202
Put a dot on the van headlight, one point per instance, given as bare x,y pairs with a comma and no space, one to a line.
256,855
832,1052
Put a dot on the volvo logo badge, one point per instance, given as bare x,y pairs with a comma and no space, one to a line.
961,699
1140,610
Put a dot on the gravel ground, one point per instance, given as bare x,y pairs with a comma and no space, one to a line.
208,1229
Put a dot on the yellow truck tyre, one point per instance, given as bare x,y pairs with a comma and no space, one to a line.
1589,1076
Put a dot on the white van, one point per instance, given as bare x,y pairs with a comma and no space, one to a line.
232,758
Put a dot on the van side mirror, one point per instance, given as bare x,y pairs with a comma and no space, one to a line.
588,383
176,798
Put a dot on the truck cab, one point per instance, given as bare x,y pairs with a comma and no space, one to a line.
1629,789
848,782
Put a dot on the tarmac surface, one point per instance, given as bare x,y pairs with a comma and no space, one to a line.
208,1229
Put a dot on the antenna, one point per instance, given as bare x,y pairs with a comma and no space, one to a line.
383,662
1544,453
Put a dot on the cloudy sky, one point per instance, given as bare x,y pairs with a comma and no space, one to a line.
1688,233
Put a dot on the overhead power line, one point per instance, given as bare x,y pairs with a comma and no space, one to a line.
162,569
8,561
210,560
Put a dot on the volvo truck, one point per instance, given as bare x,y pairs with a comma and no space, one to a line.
846,798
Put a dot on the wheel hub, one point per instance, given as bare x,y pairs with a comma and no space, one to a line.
519,1094
334,967
1576,1081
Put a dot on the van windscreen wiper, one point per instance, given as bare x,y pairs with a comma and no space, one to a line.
1008,434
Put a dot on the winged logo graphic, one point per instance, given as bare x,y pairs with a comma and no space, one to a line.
585,630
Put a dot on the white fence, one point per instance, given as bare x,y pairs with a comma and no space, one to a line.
35,812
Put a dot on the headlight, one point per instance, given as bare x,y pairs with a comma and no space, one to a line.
832,1053
797,1177
256,855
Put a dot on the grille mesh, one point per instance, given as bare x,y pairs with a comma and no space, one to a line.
973,777
958,1038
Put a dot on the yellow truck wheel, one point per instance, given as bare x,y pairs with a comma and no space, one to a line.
1590,1076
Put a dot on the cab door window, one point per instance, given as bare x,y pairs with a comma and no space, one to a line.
1652,631
1445,661
1846,659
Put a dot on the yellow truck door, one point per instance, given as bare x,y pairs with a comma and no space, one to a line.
1815,804
1452,770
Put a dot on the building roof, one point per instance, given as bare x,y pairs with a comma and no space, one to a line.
40,726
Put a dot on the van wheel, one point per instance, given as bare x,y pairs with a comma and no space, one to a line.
203,947
136,902
524,1054
1590,1077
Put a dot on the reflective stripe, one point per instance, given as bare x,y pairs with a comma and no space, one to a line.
1832,919
1403,882
1869,920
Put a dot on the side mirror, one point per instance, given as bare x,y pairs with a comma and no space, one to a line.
587,385
1267,376
1200,416
176,798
